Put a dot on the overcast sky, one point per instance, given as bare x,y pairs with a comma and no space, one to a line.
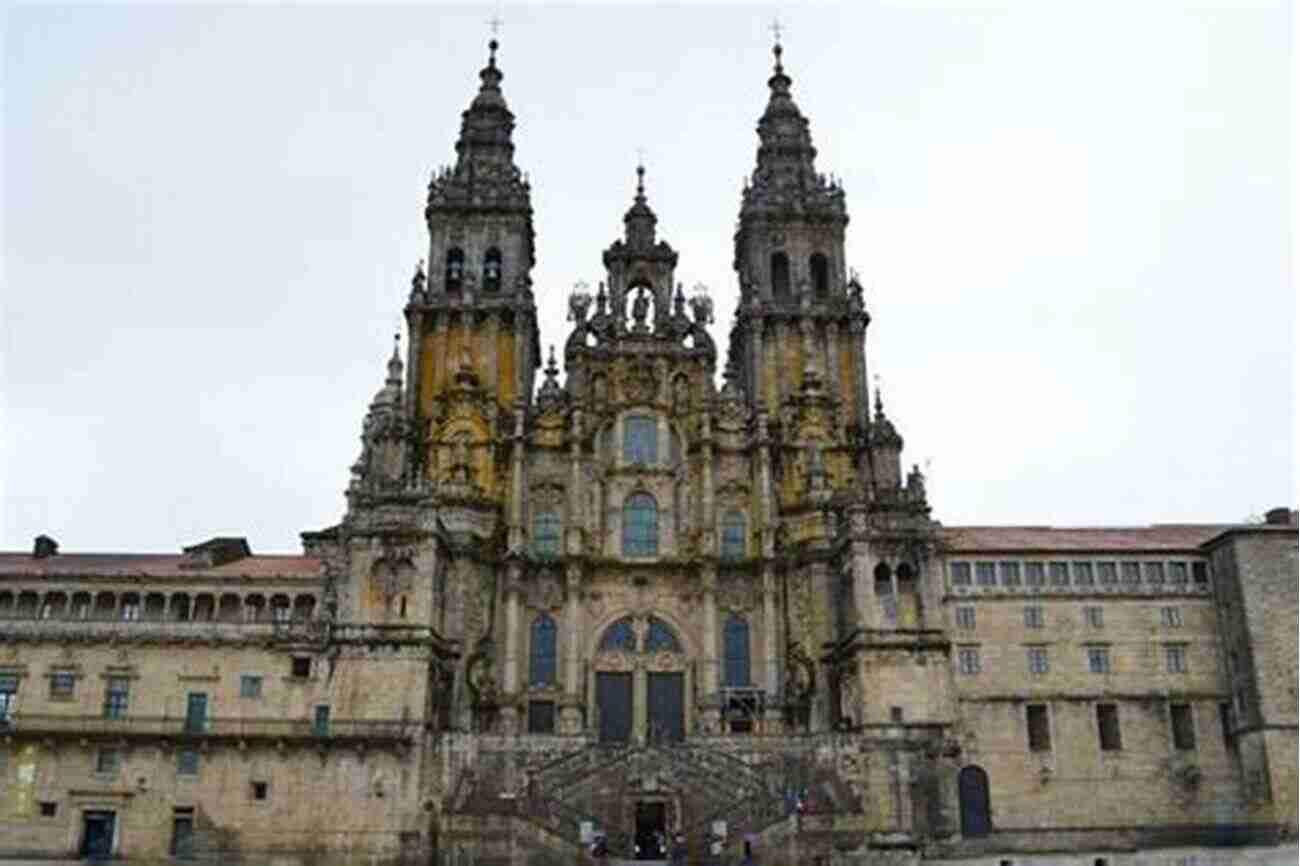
1073,222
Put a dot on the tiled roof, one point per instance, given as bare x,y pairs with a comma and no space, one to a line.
155,565
1133,539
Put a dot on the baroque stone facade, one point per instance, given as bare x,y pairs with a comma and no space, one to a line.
636,601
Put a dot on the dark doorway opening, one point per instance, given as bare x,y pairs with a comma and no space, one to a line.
973,794
614,703
97,835
651,831
667,706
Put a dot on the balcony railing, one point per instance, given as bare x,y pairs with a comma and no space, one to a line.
102,629
46,725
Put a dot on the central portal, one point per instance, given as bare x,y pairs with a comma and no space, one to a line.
651,831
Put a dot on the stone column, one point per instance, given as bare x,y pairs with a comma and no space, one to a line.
709,652
515,520
491,375
510,647
755,384
832,359
571,712
772,643
858,332
705,522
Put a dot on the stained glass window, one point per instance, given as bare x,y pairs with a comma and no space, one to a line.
619,636
541,652
660,637
640,439
546,533
733,535
735,651
640,525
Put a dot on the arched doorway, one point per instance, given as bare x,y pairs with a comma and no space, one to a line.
973,793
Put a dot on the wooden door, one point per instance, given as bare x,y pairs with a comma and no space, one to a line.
666,705
614,706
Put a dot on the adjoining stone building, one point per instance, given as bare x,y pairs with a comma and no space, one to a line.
638,602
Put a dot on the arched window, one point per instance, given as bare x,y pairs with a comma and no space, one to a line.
733,535
640,525
455,268
619,636
492,270
640,440
780,276
820,269
735,651
659,637
973,793
546,533
541,651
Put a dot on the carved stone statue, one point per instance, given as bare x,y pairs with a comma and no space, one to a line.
640,308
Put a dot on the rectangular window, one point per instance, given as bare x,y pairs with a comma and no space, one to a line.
1200,573
1037,656
968,660
320,725
107,760
117,697
250,686
1034,575
8,697
49,809
541,717
640,440
1093,617
1083,574
1132,573
187,762
1098,659
1180,715
1154,572
1225,723
985,575
966,617
960,572
1171,617
1033,616
261,790
1040,731
183,834
1107,574
1009,573
1059,573
546,533
63,685
1178,572
1108,727
300,667
130,611
1176,658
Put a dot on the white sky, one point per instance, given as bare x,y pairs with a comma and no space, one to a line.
1073,220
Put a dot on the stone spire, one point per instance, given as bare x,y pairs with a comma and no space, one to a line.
639,221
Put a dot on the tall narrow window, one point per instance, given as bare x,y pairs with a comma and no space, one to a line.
492,270
1037,659
960,573
1040,732
1034,574
640,440
985,575
973,795
1108,727
640,525
780,276
735,651
1180,716
117,696
1009,572
733,535
541,651
455,269
8,697
820,269
546,533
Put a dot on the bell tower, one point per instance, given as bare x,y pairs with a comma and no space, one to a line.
799,311
472,318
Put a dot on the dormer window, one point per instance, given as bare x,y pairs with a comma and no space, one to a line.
492,270
640,440
455,269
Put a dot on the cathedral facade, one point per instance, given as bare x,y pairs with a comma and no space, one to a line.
637,603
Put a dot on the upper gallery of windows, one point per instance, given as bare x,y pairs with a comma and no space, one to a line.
1145,575
641,439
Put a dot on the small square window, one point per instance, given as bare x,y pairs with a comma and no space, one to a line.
1171,617
49,809
1176,658
1184,729
63,684
1093,617
108,761
984,574
261,790
250,686
1108,727
300,667
1132,572
960,572
1200,572
1040,731
1098,659
966,617
1034,575
1083,574
1037,658
968,660
896,715
1107,573
187,762
1060,573
1009,572
1033,617
1154,572
1178,572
